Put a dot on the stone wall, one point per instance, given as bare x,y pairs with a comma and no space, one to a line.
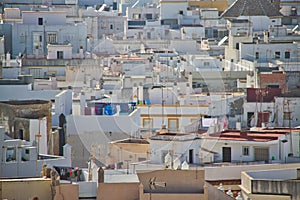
15,115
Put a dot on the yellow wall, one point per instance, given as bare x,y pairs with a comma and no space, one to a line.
117,191
221,5
26,189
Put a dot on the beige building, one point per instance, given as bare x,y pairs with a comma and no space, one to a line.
41,188
172,184
128,151
114,186
31,188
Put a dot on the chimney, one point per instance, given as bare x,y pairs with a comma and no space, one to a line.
82,103
100,175
187,94
238,126
134,93
190,81
141,94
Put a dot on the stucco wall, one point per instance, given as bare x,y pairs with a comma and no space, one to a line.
26,189
277,187
119,152
177,181
234,172
66,192
165,196
117,191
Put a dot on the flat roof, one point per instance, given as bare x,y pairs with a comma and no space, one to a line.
247,136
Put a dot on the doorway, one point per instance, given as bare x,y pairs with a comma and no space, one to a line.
226,154
191,156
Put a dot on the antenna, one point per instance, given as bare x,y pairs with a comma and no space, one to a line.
153,184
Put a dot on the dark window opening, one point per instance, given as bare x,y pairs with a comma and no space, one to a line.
40,21
287,55
21,134
60,54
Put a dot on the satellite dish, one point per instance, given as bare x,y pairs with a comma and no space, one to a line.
176,163
185,166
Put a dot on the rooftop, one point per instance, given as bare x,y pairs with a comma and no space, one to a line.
247,136
132,141
251,8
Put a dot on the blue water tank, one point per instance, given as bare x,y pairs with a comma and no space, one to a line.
110,110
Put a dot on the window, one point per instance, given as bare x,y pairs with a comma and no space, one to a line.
40,21
148,16
52,38
147,123
277,54
60,54
37,40
11,154
206,63
136,16
237,46
256,55
111,26
287,55
245,151
173,124
286,115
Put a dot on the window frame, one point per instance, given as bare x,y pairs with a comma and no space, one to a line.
245,150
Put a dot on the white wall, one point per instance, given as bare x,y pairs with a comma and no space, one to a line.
49,18
180,149
192,32
53,49
291,104
184,114
282,174
234,172
80,125
261,22
39,127
267,50
170,10
236,149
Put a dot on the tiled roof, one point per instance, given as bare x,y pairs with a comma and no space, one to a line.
251,8
247,136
